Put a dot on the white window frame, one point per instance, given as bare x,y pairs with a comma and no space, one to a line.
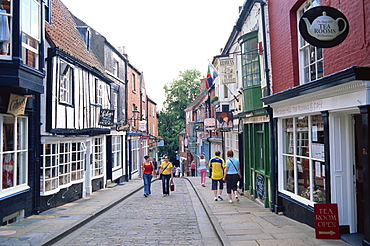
294,157
66,80
67,165
18,154
116,152
135,153
97,169
311,58
99,92
31,28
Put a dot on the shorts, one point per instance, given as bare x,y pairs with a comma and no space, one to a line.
220,183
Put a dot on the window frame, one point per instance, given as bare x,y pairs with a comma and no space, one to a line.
255,66
19,153
97,169
8,44
65,72
295,158
311,58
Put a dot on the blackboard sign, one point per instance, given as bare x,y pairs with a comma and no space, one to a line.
106,117
260,186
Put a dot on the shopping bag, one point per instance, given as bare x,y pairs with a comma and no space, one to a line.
172,185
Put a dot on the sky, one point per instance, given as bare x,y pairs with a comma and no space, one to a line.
162,37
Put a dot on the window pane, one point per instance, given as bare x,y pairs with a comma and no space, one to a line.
22,168
303,171
288,136
289,173
8,171
8,133
302,136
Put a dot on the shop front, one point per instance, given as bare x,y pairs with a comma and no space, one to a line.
320,147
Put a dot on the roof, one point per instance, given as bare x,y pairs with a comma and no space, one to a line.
64,35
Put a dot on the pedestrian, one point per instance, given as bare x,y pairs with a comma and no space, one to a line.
192,167
148,171
165,172
177,172
203,170
217,164
231,175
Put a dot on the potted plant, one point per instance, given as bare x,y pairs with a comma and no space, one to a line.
214,100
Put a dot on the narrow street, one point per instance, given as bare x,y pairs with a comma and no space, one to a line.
177,219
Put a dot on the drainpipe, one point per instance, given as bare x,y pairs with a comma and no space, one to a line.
273,122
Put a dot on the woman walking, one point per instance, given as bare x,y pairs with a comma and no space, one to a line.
231,175
165,171
203,170
148,171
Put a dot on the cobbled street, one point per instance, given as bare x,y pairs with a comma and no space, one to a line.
154,220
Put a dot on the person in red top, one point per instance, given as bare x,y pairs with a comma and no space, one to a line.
148,171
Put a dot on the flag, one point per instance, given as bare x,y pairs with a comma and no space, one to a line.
211,76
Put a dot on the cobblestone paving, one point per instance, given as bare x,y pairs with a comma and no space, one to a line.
155,220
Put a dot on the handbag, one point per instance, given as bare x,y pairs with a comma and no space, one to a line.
172,185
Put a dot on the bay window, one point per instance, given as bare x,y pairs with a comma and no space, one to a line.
62,164
303,157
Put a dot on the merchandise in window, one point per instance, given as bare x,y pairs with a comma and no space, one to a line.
303,157
13,156
5,29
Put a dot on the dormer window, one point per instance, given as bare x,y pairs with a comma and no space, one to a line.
86,35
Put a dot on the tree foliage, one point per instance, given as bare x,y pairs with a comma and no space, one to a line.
178,95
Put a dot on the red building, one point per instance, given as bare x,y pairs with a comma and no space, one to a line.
321,108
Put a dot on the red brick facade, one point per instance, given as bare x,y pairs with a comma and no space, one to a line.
354,51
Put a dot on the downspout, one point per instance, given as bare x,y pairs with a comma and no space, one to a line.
126,175
273,122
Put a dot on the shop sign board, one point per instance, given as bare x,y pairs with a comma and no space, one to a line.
106,117
324,26
228,70
326,221
17,105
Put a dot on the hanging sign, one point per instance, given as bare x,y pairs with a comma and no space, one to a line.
323,26
142,125
227,70
17,105
123,126
199,127
326,221
210,124
224,121
106,117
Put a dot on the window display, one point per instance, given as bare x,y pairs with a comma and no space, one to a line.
14,156
303,157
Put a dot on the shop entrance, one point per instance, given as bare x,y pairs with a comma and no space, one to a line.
359,174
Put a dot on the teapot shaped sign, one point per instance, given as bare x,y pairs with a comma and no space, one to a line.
323,26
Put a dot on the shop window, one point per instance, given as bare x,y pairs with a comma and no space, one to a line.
65,83
135,144
63,163
310,57
98,163
117,151
13,153
303,157
31,28
250,60
5,29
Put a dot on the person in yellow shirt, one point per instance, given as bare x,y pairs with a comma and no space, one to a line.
165,172
217,165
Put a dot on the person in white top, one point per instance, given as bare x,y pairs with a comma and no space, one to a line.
203,170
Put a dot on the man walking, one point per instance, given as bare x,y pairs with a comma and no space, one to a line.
217,164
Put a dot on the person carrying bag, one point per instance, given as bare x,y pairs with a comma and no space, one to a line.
166,174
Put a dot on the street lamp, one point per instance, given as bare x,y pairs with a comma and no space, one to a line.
135,114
